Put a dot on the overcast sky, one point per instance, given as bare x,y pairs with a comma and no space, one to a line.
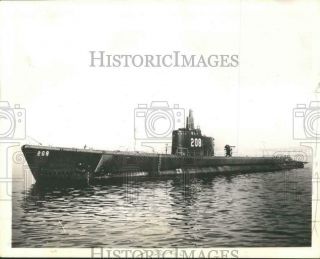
45,68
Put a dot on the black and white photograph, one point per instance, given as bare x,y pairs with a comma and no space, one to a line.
156,129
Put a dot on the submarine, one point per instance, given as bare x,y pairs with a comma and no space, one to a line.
191,153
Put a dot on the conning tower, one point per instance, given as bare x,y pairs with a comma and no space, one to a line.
189,141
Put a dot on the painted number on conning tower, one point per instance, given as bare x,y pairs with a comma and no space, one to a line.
43,153
195,142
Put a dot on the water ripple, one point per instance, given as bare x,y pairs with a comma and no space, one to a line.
263,209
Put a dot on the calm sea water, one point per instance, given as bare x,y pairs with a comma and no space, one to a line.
251,210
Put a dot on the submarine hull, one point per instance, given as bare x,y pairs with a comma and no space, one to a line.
54,164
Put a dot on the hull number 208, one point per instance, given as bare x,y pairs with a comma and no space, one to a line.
196,142
43,153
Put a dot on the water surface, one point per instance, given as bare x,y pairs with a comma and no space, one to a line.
243,210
